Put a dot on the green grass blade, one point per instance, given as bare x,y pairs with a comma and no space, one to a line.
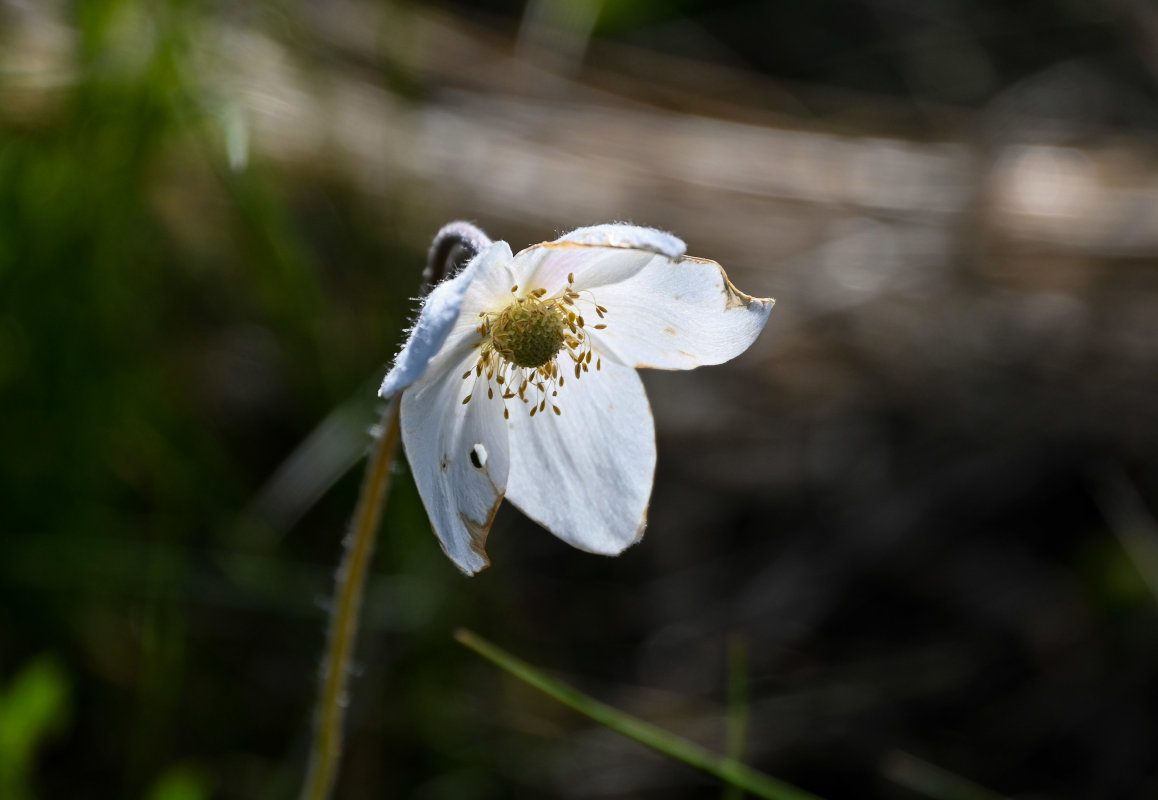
932,781
726,769
737,709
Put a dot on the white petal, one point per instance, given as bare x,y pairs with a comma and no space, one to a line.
586,474
618,234
596,256
677,315
449,317
458,454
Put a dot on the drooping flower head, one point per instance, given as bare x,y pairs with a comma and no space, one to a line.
518,381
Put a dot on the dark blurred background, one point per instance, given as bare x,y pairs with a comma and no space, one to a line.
923,504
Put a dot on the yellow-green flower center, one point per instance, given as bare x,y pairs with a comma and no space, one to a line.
520,346
528,333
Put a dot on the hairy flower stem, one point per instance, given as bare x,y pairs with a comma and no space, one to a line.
453,244
344,614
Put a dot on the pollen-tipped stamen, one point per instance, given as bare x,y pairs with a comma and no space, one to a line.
521,343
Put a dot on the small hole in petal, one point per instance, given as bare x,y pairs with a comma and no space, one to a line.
478,456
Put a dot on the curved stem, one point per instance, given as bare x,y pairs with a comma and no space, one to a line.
329,716
453,244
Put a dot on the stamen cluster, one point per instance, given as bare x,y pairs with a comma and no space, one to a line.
520,346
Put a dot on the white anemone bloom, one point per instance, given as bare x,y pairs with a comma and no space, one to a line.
518,381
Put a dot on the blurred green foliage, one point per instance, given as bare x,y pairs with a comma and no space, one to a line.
180,783
34,706
165,337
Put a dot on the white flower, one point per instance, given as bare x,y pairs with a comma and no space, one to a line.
519,380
